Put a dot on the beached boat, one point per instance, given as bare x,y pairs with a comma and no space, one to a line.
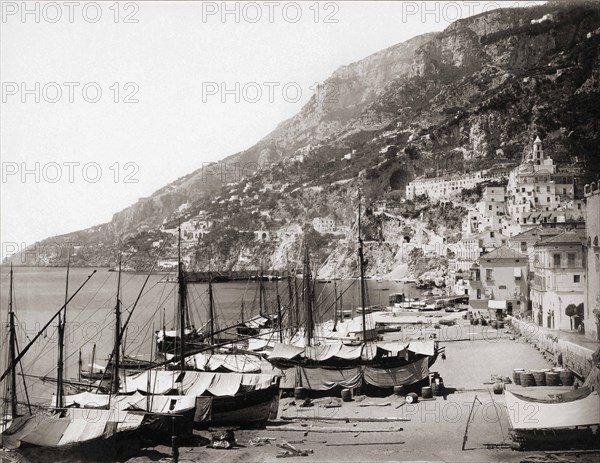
224,395
355,360
56,433
569,419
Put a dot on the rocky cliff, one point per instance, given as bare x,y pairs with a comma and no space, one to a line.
466,98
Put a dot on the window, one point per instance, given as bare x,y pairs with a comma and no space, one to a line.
556,260
489,274
571,260
523,246
576,278
478,294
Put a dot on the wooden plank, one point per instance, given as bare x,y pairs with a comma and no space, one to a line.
328,430
363,443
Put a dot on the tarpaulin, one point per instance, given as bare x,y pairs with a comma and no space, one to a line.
125,420
47,432
369,351
196,383
350,352
237,363
84,399
322,351
81,431
285,351
256,322
167,403
225,384
394,348
323,379
259,381
422,347
19,428
203,409
527,415
390,377
161,381
289,378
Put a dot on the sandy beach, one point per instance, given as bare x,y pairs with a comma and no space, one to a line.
431,430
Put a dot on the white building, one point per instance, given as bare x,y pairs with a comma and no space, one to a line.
535,187
442,188
324,225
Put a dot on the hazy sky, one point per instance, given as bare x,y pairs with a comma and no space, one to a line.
77,156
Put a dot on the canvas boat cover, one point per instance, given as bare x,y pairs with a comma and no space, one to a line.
323,379
342,351
166,404
197,383
525,414
237,363
256,322
422,347
285,351
390,377
161,334
84,399
79,426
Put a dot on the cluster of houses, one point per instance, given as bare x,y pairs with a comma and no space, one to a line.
530,249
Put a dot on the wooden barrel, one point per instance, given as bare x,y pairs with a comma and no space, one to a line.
437,389
426,392
552,378
399,390
540,377
346,395
300,393
517,375
567,378
498,387
527,379
412,398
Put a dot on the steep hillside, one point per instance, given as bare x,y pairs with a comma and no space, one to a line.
470,97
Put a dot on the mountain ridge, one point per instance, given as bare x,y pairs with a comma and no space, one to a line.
469,97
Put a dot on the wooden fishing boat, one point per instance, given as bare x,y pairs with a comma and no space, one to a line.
566,420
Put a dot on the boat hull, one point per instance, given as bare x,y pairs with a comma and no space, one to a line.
251,409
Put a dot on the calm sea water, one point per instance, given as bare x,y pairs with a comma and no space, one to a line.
39,292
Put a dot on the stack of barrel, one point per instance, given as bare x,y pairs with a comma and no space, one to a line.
543,377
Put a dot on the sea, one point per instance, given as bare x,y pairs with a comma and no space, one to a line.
151,304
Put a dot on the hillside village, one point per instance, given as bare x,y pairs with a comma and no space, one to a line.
528,245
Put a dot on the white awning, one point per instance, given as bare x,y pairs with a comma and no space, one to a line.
493,304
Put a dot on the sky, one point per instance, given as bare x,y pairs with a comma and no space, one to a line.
104,103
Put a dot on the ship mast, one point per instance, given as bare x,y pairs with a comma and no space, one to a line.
182,300
279,318
60,390
117,346
308,299
211,308
335,306
362,274
12,343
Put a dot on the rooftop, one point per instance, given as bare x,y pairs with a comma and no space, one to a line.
568,237
504,252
